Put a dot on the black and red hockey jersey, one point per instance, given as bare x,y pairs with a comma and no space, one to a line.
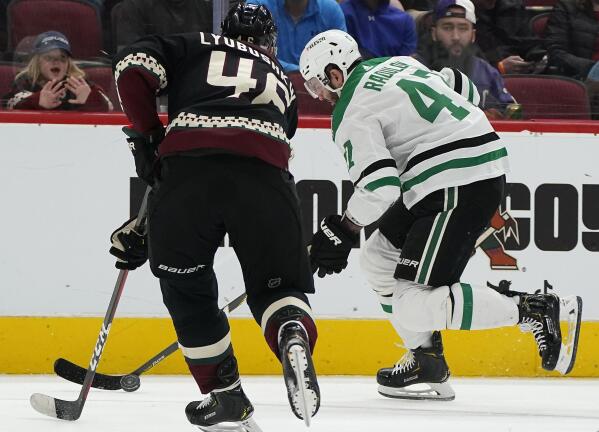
223,95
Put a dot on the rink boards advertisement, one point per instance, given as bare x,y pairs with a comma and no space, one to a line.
66,187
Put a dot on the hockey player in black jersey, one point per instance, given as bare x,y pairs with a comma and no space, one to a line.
221,167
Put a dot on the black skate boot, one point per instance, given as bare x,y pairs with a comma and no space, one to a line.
418,366
227,408
298,370
539,314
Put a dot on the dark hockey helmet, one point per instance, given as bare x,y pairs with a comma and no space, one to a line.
251,23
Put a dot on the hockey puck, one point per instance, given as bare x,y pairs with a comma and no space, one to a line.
130,383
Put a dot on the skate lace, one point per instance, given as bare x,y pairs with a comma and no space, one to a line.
405,363
536,327
205,402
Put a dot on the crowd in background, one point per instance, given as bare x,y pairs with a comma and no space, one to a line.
492,41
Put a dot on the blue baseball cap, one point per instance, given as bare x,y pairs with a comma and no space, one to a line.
442,10
51,40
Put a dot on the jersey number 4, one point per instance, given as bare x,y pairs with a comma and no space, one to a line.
417,89
243,83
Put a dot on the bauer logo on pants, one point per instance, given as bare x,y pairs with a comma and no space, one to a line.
179,270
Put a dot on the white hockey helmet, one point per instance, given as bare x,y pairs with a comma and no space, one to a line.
332,47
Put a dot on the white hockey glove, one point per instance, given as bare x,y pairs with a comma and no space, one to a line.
129,246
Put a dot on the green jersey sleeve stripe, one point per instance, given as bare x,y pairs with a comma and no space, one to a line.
453,164
350,87
385,181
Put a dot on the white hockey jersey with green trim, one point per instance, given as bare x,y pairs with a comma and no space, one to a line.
405,129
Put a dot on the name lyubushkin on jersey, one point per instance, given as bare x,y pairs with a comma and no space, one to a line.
428,167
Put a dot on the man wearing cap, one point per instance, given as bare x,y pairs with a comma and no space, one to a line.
453,45
52,80
380,28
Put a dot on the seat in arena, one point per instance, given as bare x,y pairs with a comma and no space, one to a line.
547,96
102,75
78,20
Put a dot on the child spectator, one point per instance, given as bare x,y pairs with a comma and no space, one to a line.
298,21
379,28
52,81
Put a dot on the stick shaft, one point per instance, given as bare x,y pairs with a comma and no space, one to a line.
110,312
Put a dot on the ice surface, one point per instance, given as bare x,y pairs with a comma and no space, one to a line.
349,404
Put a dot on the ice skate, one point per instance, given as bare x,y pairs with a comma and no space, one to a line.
422,366
298,370
539,314
226,410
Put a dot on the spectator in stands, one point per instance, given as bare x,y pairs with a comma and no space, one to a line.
139,18
379,28
453,45
504,35
298,21
572,37
52,81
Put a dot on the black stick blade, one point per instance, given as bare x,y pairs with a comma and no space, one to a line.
58,408
76,374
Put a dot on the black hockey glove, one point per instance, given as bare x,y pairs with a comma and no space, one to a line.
129,246
145,151
330,246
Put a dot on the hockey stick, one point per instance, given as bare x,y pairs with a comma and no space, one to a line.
71,410
130,382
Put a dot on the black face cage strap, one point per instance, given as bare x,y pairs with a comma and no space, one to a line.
252,23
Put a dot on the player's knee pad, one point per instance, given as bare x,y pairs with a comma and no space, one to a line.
479,307
378,261
420,308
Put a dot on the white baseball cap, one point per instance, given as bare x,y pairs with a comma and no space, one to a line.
442,10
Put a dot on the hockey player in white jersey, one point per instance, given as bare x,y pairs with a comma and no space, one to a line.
426,163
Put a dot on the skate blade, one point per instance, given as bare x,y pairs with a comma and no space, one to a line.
305,400
248,425
435,392
571,312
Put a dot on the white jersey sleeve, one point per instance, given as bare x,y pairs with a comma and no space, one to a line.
372,169
461,84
